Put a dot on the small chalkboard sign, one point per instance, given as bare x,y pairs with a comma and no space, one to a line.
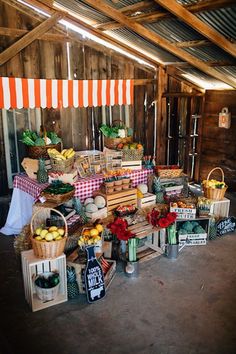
226,225
94,279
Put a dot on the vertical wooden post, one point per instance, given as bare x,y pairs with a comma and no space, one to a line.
161,119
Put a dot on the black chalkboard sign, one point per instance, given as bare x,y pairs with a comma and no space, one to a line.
226,225
94,280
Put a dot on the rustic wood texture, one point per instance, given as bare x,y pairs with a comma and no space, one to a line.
28,38
48,59
200,26
3,173
108,10
218,144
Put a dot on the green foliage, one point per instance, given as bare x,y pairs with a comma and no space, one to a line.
53,137
39,142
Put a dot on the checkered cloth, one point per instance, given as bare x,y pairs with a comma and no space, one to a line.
84,187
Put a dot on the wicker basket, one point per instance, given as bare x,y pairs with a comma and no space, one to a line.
58,198
52,249
35,152
215,193
132,155
111,143
46,294
168,172
63,165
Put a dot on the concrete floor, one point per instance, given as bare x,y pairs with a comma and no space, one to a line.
187,306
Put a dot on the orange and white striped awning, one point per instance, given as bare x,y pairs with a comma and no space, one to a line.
49,93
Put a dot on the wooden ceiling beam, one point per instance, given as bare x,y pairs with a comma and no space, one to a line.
204,5
28,38
130,9
16,32
200,26
197,43
212,63
158,40
77,22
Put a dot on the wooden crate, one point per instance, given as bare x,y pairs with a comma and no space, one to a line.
32,266
184,213
220,208
80,268
147,200
113,200
152,240
193,239
100,214
132,165
71,177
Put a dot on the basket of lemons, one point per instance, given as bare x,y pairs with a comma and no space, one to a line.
48,242
92,237
214,189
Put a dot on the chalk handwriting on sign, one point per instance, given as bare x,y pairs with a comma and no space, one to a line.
226,225
94,280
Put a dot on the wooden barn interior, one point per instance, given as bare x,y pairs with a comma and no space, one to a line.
181,58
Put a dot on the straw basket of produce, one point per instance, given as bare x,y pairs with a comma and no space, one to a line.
38,145
172,171
214,189
48,242
116,134
62,161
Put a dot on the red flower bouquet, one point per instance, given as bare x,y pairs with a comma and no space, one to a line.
119,228
164,221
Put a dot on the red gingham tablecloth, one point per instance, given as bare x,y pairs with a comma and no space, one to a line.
84,187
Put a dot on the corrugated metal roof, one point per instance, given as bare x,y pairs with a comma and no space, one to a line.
222,20
83,9
174,30
130,36
211,52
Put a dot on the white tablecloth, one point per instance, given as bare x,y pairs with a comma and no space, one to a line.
20,212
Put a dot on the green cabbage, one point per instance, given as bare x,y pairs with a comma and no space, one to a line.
187,225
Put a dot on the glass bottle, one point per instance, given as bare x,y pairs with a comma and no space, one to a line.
42,174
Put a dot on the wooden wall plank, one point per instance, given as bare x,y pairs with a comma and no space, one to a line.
221,151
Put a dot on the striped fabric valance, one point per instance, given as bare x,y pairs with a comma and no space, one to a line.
49,93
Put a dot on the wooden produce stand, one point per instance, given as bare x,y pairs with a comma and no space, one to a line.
153,240
113,200
73,260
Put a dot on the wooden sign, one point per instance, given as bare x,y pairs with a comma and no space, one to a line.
94,280
226,225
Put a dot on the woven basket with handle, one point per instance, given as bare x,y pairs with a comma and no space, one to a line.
215,193
111,143
35,152
51,249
